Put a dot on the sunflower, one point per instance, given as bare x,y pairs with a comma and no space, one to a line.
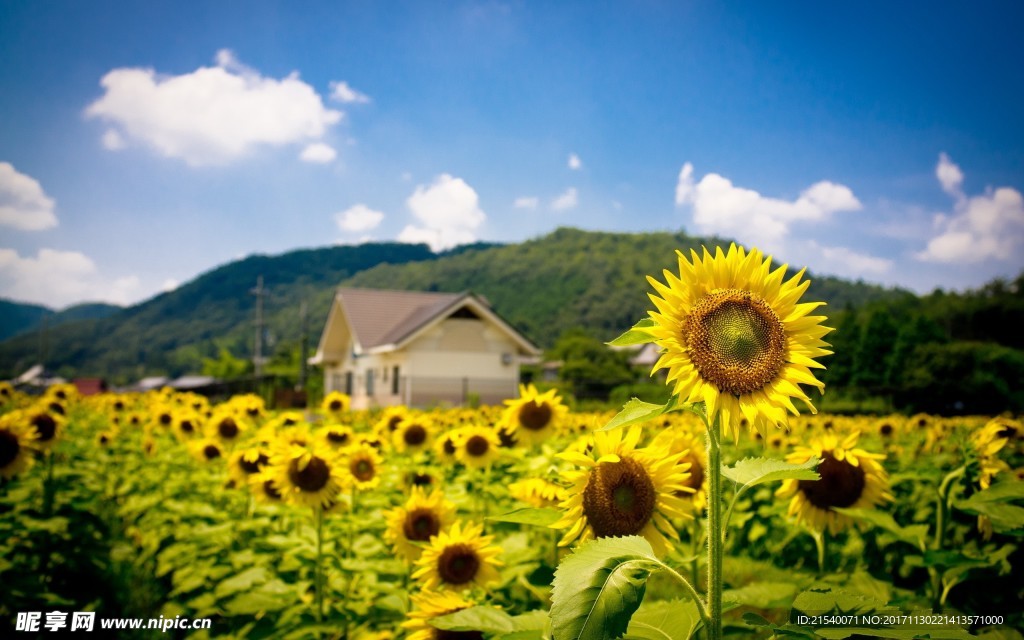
389,420
987,442
421,518
363,464
264,487
6,393
336,436
336,404
206,450
246,463
623,491
305,475
414,434
187,424
458,559
16,442
850,478
733,336
428,605
533,417
48,426
445,448
536,492
249,404
681,440
226,426
477,446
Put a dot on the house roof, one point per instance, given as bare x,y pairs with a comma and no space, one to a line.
384,320
378,317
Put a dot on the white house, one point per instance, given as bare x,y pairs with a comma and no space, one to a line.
415,348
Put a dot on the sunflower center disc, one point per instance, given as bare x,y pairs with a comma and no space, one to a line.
252,466
841,484
362,469
534,416
696,479
313,477
458,564
211,451
415,435
420,525
337,437
186,426
477,446
9,448
228,428
165,419
335,405
736,341
619,498
271,490
45,426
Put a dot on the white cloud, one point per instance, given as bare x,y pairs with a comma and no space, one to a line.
526,202
565,201
112,140
723,208
318,153
847,262
345,94
985,227
574,162
170,284
23,203
212,115
949,175
358,218
448,212
61,278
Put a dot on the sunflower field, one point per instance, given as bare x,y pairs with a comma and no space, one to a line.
732,510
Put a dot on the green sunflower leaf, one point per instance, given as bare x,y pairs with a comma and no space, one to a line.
539,517
637,334
598,588
915,534
751,472
637,410
484,619
664,620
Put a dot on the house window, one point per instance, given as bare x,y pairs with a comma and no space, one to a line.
348,383
369,382
394,381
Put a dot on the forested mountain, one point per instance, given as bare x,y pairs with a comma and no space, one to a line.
20,317
948,352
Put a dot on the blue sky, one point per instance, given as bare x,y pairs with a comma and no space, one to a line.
144,143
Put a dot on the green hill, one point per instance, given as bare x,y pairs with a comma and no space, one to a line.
567,279
19,317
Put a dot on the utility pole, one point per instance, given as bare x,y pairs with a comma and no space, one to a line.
257,354
303,345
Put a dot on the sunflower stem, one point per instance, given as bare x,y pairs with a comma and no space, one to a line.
715,540
821,542
319,575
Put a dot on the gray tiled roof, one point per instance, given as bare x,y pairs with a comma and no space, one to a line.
379,317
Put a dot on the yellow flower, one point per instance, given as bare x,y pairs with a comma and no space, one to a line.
414,434
623,491
850,478
363,464
458,559
16,441
476,446
735,337
420,519
536,492
533,417
336,404
428,605
305,475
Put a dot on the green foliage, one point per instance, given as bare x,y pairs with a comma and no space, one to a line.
226,366
597,588
589,367
750,472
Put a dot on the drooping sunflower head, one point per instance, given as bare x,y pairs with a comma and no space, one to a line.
427,605
623,491
336,404
421,518
850,478
534,417
734,335
306,475
16,443
986,444
458,559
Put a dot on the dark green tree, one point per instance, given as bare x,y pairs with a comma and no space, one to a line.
589,367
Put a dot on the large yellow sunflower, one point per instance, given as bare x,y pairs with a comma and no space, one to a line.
623,491
420,519
306,475
734,336
459,559
16,439
428,605
533,417
850,478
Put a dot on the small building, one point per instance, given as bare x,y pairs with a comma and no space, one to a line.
416,348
